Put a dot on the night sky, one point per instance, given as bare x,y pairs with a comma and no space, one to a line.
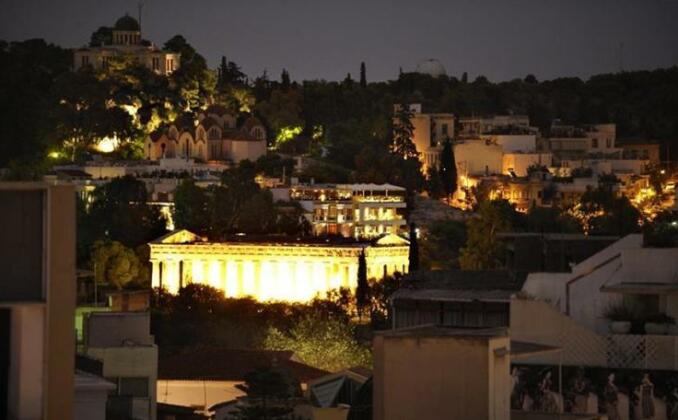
324,39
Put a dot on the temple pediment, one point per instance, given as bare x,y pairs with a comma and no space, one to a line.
181,236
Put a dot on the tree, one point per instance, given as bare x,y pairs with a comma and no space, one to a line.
440,245
268,391
257,214
119,212
115,264
464,77
102,36
194,80
531,79
413,255
323,342
363,75
285,80
601,212
283,110
348,80
229,74
198,300
551,219
403,132
191,207
362,293
374,164
448,168
483,251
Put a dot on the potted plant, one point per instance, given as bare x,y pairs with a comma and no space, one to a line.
620,317
658,324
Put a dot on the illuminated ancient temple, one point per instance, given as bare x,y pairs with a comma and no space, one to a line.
272,269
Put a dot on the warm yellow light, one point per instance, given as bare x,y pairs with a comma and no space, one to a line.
264,277
232,279
215,274
197,271
54,155
248,285
107,144
287,134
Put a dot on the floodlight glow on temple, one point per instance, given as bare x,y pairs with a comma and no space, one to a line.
270,270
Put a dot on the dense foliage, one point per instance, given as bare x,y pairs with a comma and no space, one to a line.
237,205
49,107
323,342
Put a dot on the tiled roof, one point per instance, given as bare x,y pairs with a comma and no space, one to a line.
460,285
208,122
220,364
251,122
157,134
184,120
235,134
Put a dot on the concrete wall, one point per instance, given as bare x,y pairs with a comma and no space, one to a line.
518,163
476,157
587,303
439,378
60,332
115,329
538,322
26,373
428,135
512,143
106,171
252,150
91,394
131,362
197,393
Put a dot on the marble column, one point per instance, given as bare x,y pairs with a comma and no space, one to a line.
155,273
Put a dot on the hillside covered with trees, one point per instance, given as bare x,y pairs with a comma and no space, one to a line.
50,113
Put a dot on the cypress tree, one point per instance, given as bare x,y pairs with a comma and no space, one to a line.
285,79
414,250
362,293
363,75
403,132
223,72
448,168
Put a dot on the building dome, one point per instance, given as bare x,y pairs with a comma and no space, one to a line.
432,67
127,23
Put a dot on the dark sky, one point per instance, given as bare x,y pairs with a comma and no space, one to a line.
325,39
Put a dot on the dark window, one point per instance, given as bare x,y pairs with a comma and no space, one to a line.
594,143
444,128
21,256
134,387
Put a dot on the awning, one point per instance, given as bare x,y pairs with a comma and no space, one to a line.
642,288
521,349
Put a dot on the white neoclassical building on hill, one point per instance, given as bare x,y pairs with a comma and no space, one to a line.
126,41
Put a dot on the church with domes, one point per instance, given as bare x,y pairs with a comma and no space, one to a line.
124,39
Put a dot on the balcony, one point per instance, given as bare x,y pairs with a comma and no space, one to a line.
584,347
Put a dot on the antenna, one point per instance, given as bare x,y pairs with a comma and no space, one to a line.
140,6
